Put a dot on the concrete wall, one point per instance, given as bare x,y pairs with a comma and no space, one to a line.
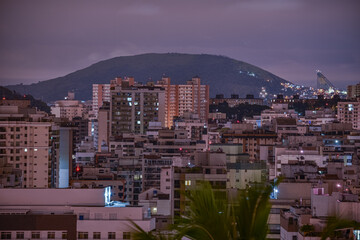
16,197
291,191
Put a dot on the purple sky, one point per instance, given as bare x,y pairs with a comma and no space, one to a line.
40,40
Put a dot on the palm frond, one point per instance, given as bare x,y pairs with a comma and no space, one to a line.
207,217
335,223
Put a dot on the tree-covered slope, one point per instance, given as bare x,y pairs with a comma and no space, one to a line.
223,74
12,95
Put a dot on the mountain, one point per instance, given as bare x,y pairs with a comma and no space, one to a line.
12,95
223,74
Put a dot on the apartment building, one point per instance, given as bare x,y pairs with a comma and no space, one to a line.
24,143
189,97
100,94
251,141
133,107
69,108
175,180
353,91
68,214
349,112
234,100
278,110
151,170
174,142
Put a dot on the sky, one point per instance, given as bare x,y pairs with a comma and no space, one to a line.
44,39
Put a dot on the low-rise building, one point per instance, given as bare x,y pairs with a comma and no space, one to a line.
68,214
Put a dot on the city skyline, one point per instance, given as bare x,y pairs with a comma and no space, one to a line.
43,40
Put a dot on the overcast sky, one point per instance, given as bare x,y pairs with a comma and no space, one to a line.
40,40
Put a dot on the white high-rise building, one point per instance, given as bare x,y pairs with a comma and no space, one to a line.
100,94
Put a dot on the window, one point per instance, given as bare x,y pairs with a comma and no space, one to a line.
64,235
5,235
35,235
83,235
51,235
20,235
97,235
111,235
126,235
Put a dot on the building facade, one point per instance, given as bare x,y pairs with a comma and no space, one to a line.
349,112
132,108
189,97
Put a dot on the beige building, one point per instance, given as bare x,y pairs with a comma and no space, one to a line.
69,108
189,97
24,143
349,112
251,141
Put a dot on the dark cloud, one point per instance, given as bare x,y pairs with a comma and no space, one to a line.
45,39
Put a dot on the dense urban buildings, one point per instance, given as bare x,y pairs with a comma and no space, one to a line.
136,150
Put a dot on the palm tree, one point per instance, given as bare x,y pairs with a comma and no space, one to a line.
207,217
213,218
335,224
251,212
140,234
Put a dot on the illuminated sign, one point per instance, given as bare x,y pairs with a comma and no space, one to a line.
107,195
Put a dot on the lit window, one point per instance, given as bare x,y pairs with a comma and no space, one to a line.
188,183
154,210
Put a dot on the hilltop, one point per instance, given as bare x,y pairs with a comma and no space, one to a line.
223,74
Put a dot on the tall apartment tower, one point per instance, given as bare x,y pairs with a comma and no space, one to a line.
133,107
103,127
25,144
100,94
349,112
353,91
190,97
